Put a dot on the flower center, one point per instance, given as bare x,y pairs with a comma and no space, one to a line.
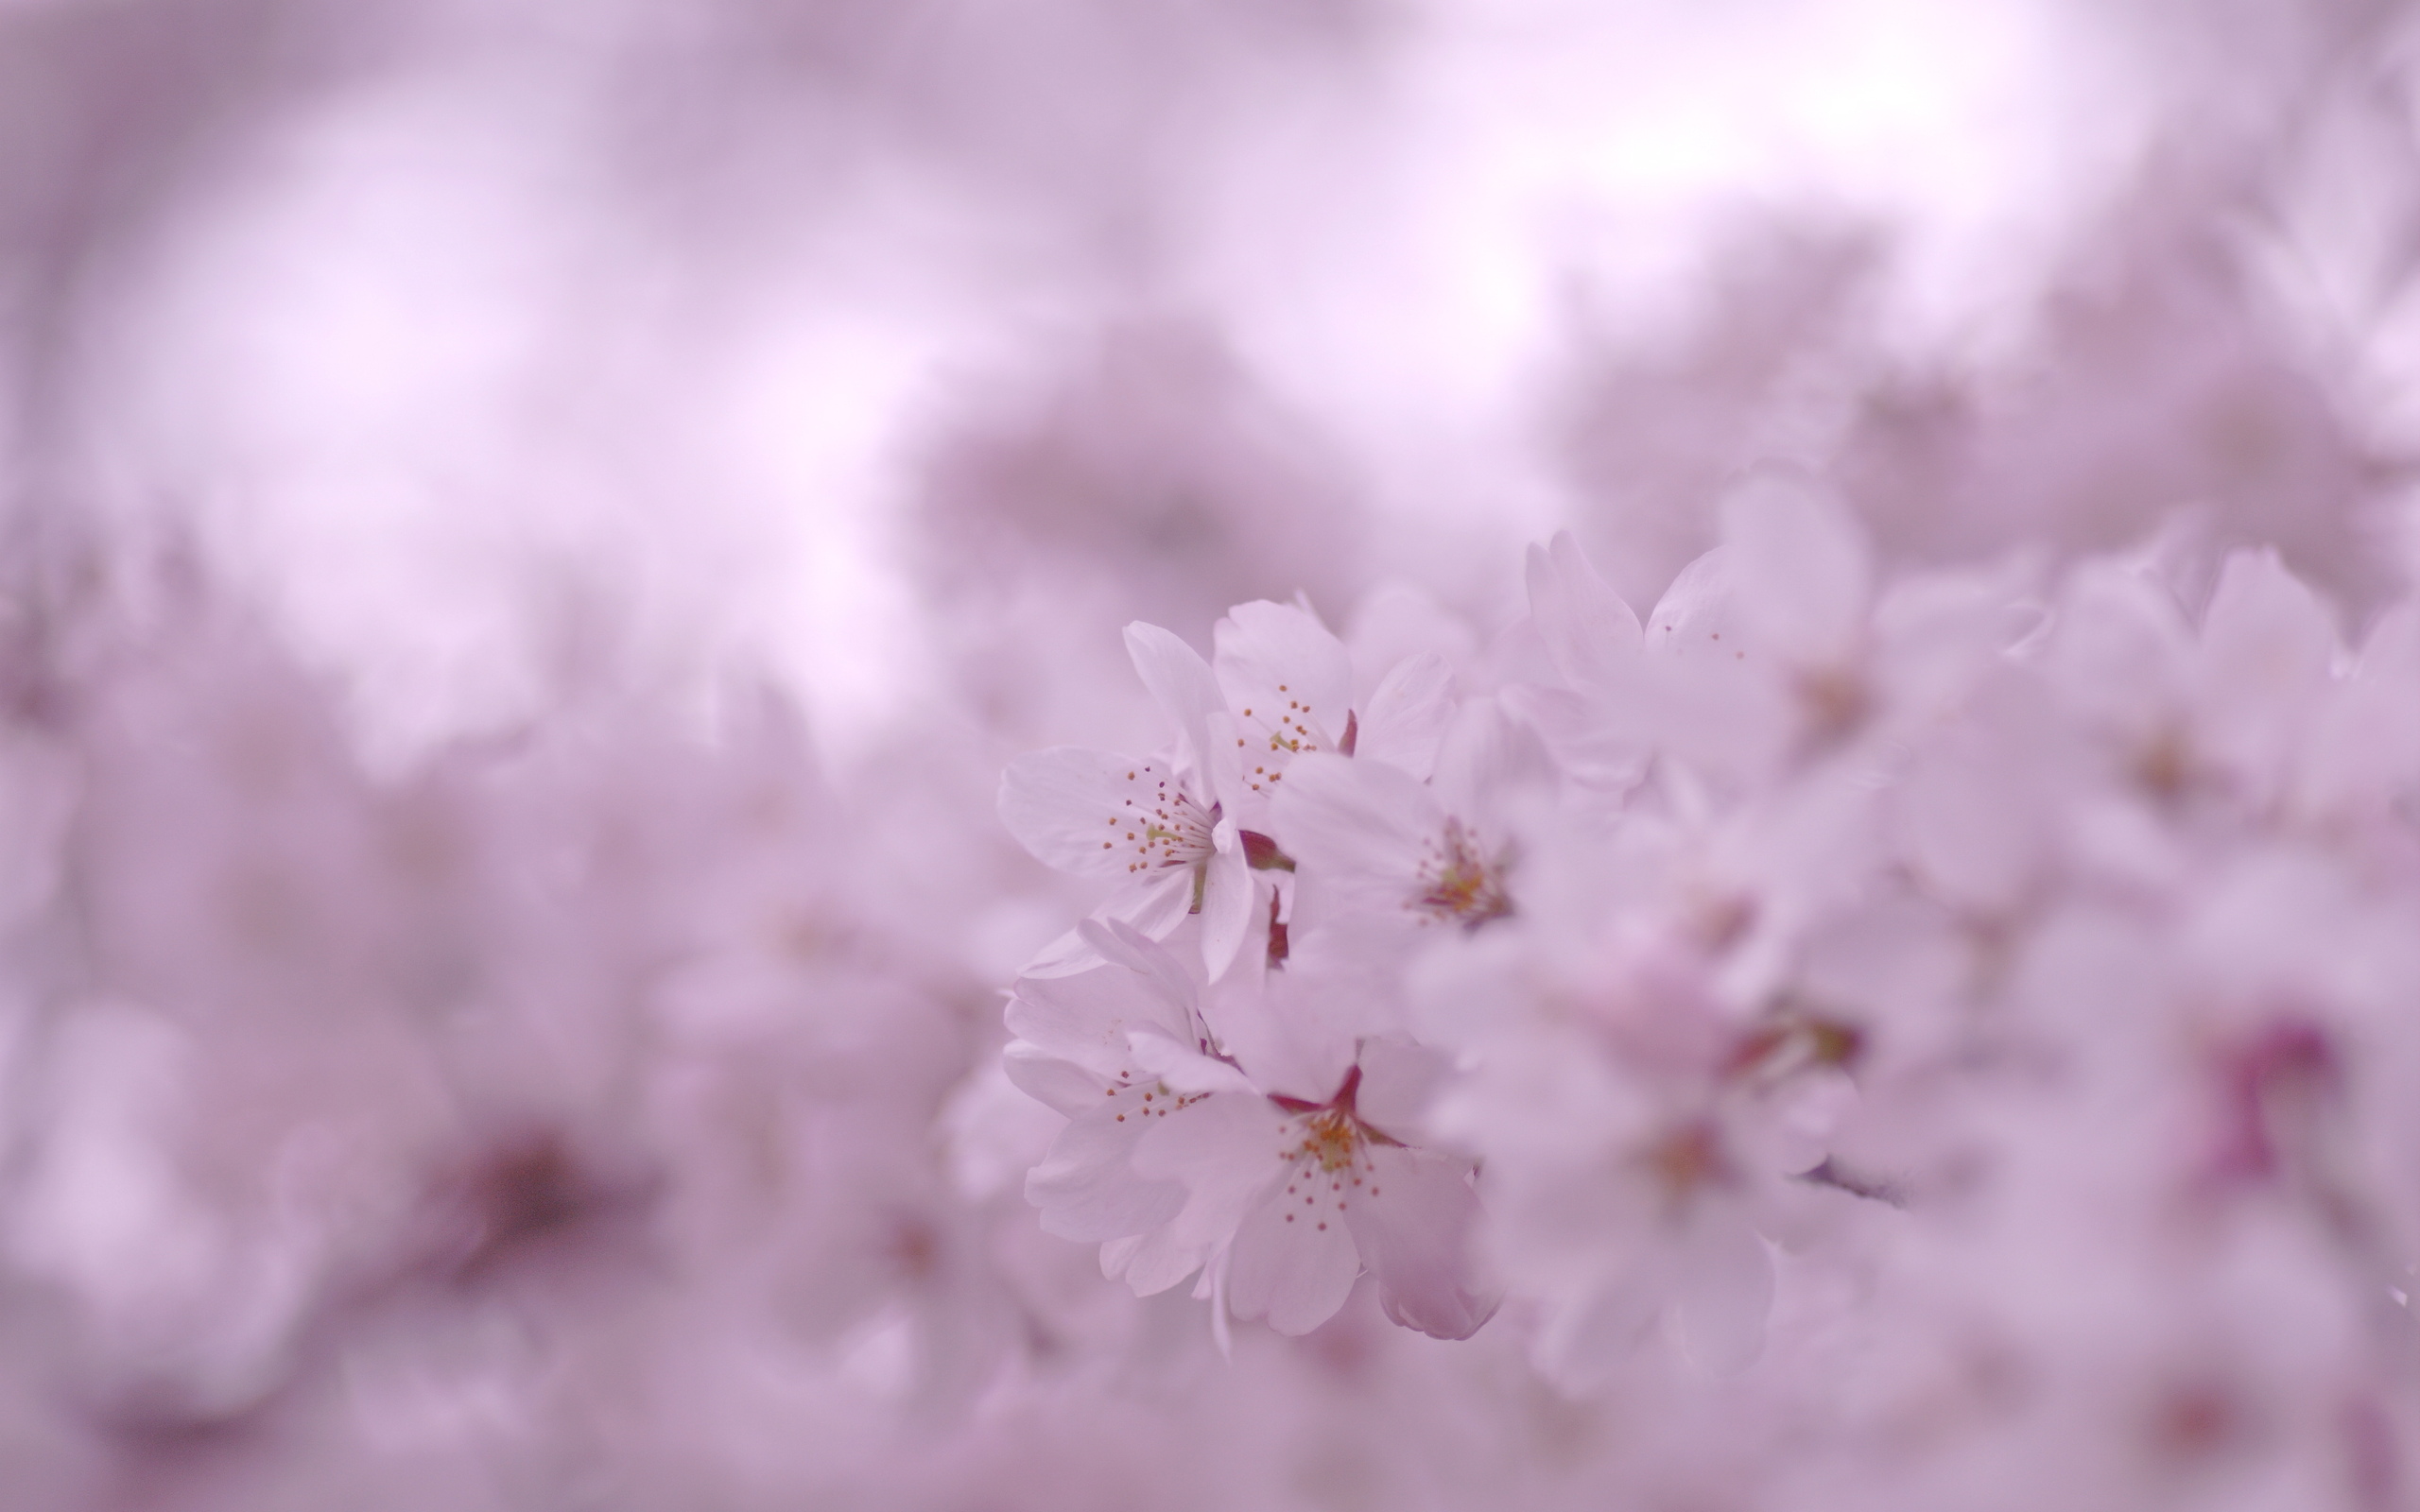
1162,825
1329,1156
1459,883
1685,1161
1280,734
1331,1139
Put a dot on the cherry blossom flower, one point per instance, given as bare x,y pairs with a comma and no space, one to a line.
1777,649
1170,832
1639,1134
1289,683
1158,828
2177,713
1180,1158
1382,847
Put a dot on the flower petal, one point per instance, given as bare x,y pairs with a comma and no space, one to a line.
1228,891
1803,571
2269,646
2364,746
1415,1234
1160,972
1086,1018
1585,1340
1072,808
1184,1069
1484,760
1407,713
1223,1143
1153,906
1161,1258
1048,1080
1180,681
1710,692
1292,1266
1154,909
1278,662
1597,751
1726,1292
1087,1187
1222,773
1359,823
1224,1152
1587,628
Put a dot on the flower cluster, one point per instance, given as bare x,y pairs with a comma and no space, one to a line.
1241,1104
1967,1014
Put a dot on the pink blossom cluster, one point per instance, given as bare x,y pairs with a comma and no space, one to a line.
1901,1038
1961,1020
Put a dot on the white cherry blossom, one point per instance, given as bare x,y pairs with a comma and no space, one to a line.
1382,847
1156,828
1280,1168
1289,683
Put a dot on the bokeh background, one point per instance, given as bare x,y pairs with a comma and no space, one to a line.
528,530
